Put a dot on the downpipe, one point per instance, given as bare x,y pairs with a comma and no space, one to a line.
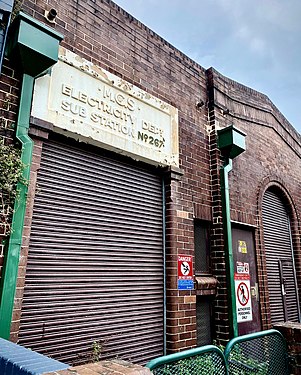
12,254
225,196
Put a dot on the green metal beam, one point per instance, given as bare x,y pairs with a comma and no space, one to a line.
225,196
12,255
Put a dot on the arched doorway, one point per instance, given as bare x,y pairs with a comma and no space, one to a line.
280,265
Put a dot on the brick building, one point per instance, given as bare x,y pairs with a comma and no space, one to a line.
125,188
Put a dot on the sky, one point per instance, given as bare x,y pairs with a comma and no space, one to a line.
256,43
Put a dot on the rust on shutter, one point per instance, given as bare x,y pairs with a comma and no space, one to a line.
279,260
94,281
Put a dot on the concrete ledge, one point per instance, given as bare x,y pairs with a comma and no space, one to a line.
292,333
113,367
17,360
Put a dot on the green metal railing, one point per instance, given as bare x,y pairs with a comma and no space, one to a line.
261,353
206,360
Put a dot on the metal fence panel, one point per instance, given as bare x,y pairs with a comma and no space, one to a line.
206,360
261,353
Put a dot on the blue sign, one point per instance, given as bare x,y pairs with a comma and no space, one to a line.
185,284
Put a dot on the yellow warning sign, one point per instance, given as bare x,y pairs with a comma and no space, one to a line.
242,247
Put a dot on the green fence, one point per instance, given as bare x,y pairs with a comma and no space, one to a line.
207,360
261,353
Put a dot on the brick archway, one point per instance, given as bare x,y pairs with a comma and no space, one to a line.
275,183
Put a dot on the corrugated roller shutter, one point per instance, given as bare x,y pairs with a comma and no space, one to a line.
277,243
290,294
203,320
94,278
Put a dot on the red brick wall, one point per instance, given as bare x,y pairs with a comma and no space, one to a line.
292,334
111,38
272,158
221,317
9,96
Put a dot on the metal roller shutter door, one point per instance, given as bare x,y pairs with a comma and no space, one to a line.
95,263
278,246
290,301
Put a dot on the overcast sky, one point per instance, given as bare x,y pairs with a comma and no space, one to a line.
257,43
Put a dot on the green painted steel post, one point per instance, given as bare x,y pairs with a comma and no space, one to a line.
225,169
11,259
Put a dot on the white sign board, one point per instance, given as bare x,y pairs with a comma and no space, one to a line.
88,103
243,298
242,267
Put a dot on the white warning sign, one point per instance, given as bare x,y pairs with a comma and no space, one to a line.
242,267
243,298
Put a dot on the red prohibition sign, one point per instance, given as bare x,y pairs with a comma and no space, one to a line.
243,294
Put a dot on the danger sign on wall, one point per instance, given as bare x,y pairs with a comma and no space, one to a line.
185,275
243,297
